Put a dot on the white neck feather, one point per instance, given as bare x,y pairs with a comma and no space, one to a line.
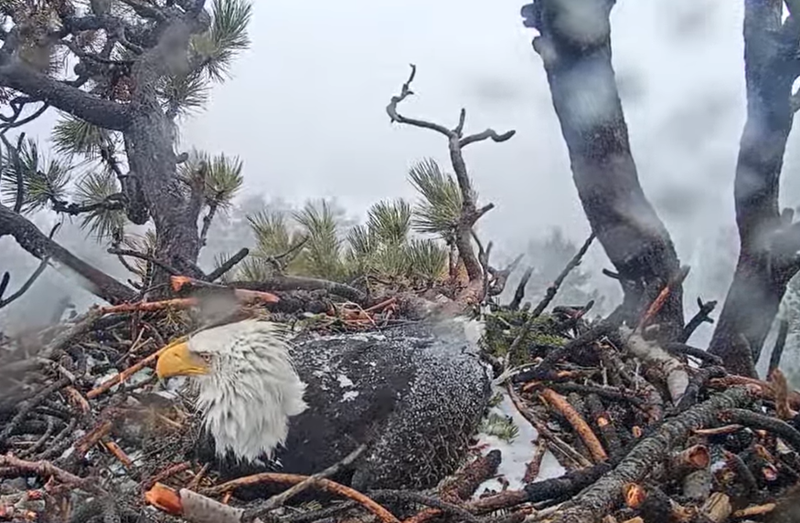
252,391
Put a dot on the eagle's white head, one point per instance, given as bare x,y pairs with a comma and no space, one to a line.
247,386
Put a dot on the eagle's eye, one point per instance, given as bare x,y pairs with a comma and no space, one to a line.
206,357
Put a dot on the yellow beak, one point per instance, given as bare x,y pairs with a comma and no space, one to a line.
176,360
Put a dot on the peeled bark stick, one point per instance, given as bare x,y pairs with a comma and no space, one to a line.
558,444
151,306
193,507
661,299
780,388
560,403
604,495
754,511
717,508
676,375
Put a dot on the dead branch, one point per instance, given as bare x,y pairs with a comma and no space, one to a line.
145,257
127,373
551,293
45,469
292,479
755,420
675,373
151,306
298,283
519,294
560,403
500,277
31,279
702,316
30,238
229,264
280,499
599,499
470,213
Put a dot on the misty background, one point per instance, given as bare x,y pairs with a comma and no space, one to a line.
305,111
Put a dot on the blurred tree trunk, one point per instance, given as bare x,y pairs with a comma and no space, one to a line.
575,46
768,240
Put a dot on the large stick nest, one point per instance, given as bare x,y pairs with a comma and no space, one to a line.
659,433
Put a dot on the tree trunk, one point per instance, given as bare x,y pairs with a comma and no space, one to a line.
30,238
575,46
172,205
768,242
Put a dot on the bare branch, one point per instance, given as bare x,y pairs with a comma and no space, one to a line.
103,113
500,277
113,202
30,238
228,265
405,92
29,282
485,135
462,119
519,294
145,257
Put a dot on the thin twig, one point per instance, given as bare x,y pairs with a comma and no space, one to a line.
280,499
551,293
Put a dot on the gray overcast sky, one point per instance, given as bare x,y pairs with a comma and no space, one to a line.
305,108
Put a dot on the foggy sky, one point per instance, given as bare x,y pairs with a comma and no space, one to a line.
305,110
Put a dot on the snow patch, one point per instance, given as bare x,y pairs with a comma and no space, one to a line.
517,453
344,381
350,395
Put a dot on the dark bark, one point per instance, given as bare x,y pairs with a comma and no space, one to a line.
768,241
104,113
575,46
30,238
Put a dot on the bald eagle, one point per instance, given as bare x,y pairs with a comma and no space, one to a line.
414,396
